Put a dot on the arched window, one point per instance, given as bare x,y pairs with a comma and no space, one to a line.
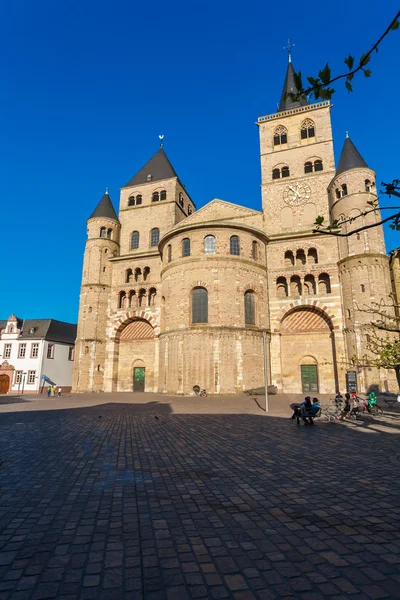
295,286
132,302
154,237
155,197
281,287
149,177
138,199
249,308
280,135
254,250
234,245
344,190
131,201
186,247
142,297
181,201
309,285
11,329
103,232
169,253
338,194
318,166
308,167
152,296
362,288
138,274
324,284
189,210
289,258
312,256
122,300
368,185
128,275
209,244
307,129
199,305
300,257
86,349
135,240
163,195
109,234
276,174
285,172
146,273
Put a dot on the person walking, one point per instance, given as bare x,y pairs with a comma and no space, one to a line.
59,392
48,391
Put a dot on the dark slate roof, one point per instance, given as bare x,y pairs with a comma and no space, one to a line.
104,209
48,329
158,167
350,158
289,86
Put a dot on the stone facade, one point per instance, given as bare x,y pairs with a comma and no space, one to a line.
172,297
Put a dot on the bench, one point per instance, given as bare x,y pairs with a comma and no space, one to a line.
309,414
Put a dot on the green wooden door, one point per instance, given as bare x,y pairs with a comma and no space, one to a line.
138,379
309,378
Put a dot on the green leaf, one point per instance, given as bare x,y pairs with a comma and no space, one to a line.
326,94
395,25
325,74
364,60
350,76
298,81
349,87
367,72
349,61
319,220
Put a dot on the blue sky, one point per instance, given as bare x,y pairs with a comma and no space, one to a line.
87,86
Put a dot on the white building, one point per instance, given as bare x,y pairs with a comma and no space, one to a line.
34,353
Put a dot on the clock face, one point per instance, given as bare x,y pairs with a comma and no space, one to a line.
296,194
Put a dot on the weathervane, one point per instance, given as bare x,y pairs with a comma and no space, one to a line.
161,140
289,48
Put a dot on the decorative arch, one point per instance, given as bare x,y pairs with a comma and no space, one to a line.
307,129
139,329
131,316
280,135
306,317
310,304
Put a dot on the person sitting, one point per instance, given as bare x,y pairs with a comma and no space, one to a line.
346,409
354,405
371,401
297,408
311,411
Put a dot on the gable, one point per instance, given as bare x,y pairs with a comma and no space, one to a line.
220,210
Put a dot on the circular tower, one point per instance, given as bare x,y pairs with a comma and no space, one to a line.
103,230
363,264
213,309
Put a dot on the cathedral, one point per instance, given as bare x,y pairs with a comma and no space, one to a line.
173,297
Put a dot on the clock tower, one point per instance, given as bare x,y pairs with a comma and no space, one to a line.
297,162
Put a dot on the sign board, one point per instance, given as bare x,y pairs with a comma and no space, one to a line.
351,382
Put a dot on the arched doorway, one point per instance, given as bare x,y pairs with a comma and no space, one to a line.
308,355
4,383
136,356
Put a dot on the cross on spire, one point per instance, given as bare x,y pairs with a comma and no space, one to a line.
289,47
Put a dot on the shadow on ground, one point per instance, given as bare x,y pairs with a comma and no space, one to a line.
133,501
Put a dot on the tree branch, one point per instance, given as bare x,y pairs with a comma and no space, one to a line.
363,228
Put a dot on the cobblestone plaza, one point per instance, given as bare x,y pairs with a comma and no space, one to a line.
131,498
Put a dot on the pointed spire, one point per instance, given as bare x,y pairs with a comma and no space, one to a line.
157,168
350,157
104,208
290,87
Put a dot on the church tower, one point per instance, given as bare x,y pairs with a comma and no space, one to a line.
363,263
103,230
297,161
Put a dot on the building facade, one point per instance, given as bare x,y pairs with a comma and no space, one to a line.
174,297
34,349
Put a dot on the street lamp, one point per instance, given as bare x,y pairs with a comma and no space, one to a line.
23,381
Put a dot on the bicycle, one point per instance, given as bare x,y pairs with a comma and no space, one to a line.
202,393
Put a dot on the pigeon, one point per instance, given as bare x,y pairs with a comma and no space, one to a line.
155,416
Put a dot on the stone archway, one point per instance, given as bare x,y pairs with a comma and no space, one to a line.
134,343
6,377
307,331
